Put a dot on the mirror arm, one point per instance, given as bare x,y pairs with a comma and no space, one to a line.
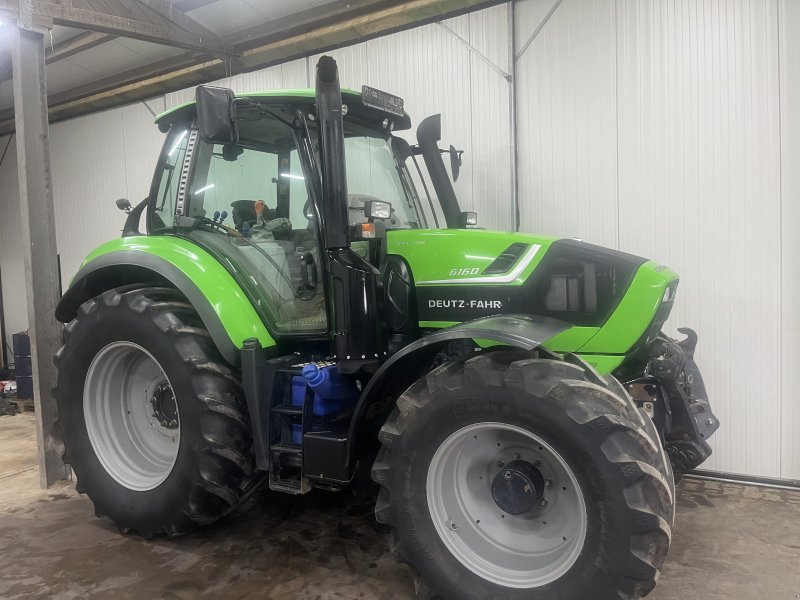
131,226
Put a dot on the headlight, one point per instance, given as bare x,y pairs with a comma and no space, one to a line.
670,292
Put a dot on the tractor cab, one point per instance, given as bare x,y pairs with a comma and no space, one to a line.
250,195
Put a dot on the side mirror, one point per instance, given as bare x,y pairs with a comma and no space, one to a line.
402,148
124,205
469,219
455,162
216,114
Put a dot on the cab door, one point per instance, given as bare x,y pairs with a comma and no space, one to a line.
247,204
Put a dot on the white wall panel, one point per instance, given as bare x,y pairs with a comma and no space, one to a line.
699,190
95,160
285,76
689,157
566,116
436,72
789,58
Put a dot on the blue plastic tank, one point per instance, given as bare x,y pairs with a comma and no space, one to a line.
332,392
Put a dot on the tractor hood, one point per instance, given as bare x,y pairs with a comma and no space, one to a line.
612,299
468,256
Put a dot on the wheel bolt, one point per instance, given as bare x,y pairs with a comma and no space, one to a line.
517,455
507,475
547,483
544,502
500,462
537,463
452,525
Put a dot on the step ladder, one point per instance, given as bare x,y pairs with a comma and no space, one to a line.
286,456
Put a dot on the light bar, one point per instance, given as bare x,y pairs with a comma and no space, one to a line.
382,100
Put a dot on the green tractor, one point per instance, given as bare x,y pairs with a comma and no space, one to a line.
511,395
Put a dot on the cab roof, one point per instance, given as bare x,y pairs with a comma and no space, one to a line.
297,97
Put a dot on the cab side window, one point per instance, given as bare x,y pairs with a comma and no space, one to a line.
163,207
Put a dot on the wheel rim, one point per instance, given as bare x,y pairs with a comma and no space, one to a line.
513,550
131,416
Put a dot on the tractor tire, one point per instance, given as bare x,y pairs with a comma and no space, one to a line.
154,421
511,477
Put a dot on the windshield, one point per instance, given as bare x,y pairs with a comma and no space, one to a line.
374,173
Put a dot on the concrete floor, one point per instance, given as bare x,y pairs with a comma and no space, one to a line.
730,542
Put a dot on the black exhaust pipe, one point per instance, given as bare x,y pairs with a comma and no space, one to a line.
352,286
429,133
331,143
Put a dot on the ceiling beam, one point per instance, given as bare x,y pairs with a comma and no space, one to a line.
74,45
121,24
305,20
62,50
185,71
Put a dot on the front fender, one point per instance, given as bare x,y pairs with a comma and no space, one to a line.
521,331
220,302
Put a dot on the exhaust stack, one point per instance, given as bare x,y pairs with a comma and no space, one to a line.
328,98
352,286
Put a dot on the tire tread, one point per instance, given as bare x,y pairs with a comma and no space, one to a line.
225,427
592,401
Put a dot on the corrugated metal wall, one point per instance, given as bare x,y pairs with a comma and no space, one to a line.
667,128
789,288
435,71
95,160
671,129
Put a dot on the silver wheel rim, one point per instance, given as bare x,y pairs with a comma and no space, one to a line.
133,430
519,551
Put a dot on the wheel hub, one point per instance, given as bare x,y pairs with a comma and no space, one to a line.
131,415
164,408
506,504
518,487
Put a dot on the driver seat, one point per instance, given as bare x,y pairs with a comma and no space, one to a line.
244,211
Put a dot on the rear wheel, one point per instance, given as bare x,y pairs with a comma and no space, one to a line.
154,422
509,477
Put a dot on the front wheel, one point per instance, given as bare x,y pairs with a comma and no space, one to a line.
509,477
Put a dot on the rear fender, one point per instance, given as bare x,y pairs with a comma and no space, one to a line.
402,369
220,302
